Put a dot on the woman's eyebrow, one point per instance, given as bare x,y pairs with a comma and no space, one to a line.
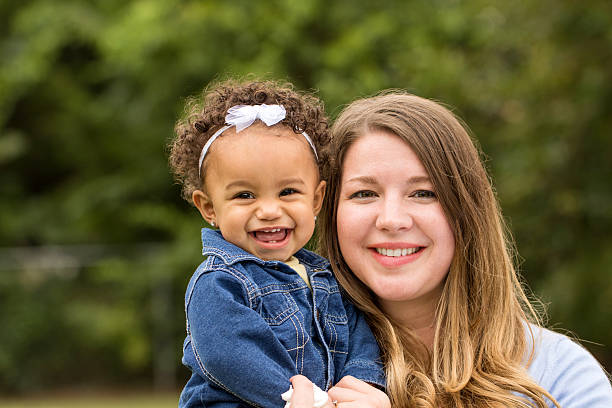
362,179
419,180
372,180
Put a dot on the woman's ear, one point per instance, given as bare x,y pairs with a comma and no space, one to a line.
319,195
205,205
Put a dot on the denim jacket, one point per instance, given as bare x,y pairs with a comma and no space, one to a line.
251,325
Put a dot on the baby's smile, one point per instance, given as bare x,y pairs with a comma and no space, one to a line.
272,235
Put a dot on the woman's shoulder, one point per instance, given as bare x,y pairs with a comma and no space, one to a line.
567,370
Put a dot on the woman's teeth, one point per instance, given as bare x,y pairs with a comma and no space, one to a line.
397,252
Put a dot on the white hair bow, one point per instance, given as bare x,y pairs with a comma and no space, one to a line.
243,116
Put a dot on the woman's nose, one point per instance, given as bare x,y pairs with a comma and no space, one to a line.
394,215
268,210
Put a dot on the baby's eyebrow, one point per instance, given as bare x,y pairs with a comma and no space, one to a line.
238,184
291,180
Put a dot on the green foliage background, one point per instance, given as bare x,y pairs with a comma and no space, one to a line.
97,246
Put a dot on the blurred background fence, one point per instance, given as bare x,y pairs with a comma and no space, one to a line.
96,246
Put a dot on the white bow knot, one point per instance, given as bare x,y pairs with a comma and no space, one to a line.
243,116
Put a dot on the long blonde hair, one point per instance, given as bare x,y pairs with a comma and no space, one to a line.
480,346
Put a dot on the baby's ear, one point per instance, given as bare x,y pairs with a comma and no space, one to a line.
319,195
204,204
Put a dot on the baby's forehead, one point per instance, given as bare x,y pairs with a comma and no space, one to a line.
257,148
260,136
253,151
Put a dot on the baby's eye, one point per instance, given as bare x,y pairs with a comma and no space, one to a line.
424,194
363,194
244,195
288,191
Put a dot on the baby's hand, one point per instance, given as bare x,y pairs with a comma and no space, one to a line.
305,394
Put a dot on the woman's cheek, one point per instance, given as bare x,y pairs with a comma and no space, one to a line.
352,216
352,232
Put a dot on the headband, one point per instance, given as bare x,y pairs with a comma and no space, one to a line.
243,116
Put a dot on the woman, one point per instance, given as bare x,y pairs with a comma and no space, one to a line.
416,237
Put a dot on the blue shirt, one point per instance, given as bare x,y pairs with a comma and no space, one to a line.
568,372
253,324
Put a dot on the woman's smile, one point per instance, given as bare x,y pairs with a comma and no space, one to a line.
395,254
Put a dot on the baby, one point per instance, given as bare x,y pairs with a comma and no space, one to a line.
261,308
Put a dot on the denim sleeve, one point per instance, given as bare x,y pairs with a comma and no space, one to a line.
363,360
235,349
199,393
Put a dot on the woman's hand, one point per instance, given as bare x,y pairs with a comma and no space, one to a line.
350,392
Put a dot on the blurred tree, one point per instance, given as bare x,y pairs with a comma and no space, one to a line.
90,90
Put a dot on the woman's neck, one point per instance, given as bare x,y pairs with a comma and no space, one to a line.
418,315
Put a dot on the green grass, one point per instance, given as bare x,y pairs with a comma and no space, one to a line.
152,400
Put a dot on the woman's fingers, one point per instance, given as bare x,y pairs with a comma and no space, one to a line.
338,393
351,392
355,384
350,398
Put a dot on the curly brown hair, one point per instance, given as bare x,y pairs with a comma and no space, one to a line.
205,115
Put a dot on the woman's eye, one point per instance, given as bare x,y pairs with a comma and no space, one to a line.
244,195
363,194
424,194
288,191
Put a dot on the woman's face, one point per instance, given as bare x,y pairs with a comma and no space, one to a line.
392,231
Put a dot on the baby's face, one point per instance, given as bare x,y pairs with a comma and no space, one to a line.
263,190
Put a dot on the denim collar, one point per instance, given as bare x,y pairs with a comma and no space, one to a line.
213,243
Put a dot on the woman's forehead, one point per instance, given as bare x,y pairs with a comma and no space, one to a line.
378,152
